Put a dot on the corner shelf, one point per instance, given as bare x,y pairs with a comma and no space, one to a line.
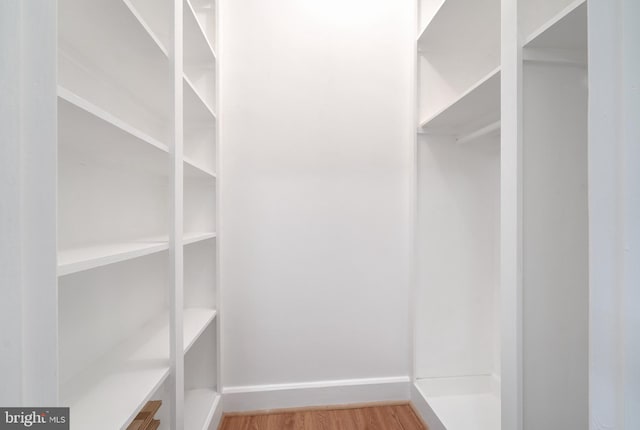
479,105
199,408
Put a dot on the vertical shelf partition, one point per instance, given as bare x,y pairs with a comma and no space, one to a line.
457,333
555,218
119,272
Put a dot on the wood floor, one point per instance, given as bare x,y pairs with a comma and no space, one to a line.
392,417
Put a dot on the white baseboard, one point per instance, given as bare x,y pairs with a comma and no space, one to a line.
422,407
217,414
321,393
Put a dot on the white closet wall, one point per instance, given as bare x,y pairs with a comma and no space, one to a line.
316,201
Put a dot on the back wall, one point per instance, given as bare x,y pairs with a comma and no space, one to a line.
316,162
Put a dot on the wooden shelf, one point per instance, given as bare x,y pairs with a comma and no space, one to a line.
132,57
195,107
479,105
92,132
191,238
199,408
197,47
565,31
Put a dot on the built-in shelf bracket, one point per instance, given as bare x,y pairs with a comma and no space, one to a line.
563,57
487,130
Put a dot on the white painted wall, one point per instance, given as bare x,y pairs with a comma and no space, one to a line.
614,207
317,131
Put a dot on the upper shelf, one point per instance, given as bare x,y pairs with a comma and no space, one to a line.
479,105
91,132
158,15
108,395
566,31
197,46
463,24
110,38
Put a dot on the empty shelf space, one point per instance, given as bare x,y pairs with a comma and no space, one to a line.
191,238
199,408
100,17
108,395
463,410
197,46
439,14
145,25
459,23
196,320
479,105
130,58
567,31
197,110
192,168
79,259
89,130
155,16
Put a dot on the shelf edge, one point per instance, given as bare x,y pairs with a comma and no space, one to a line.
85,105
471,89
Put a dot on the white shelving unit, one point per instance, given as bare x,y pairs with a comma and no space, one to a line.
460,339
126,179
457,333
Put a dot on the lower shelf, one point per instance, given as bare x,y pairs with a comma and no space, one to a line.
108,395
471,403
199,408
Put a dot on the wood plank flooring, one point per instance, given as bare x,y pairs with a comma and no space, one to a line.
383,417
